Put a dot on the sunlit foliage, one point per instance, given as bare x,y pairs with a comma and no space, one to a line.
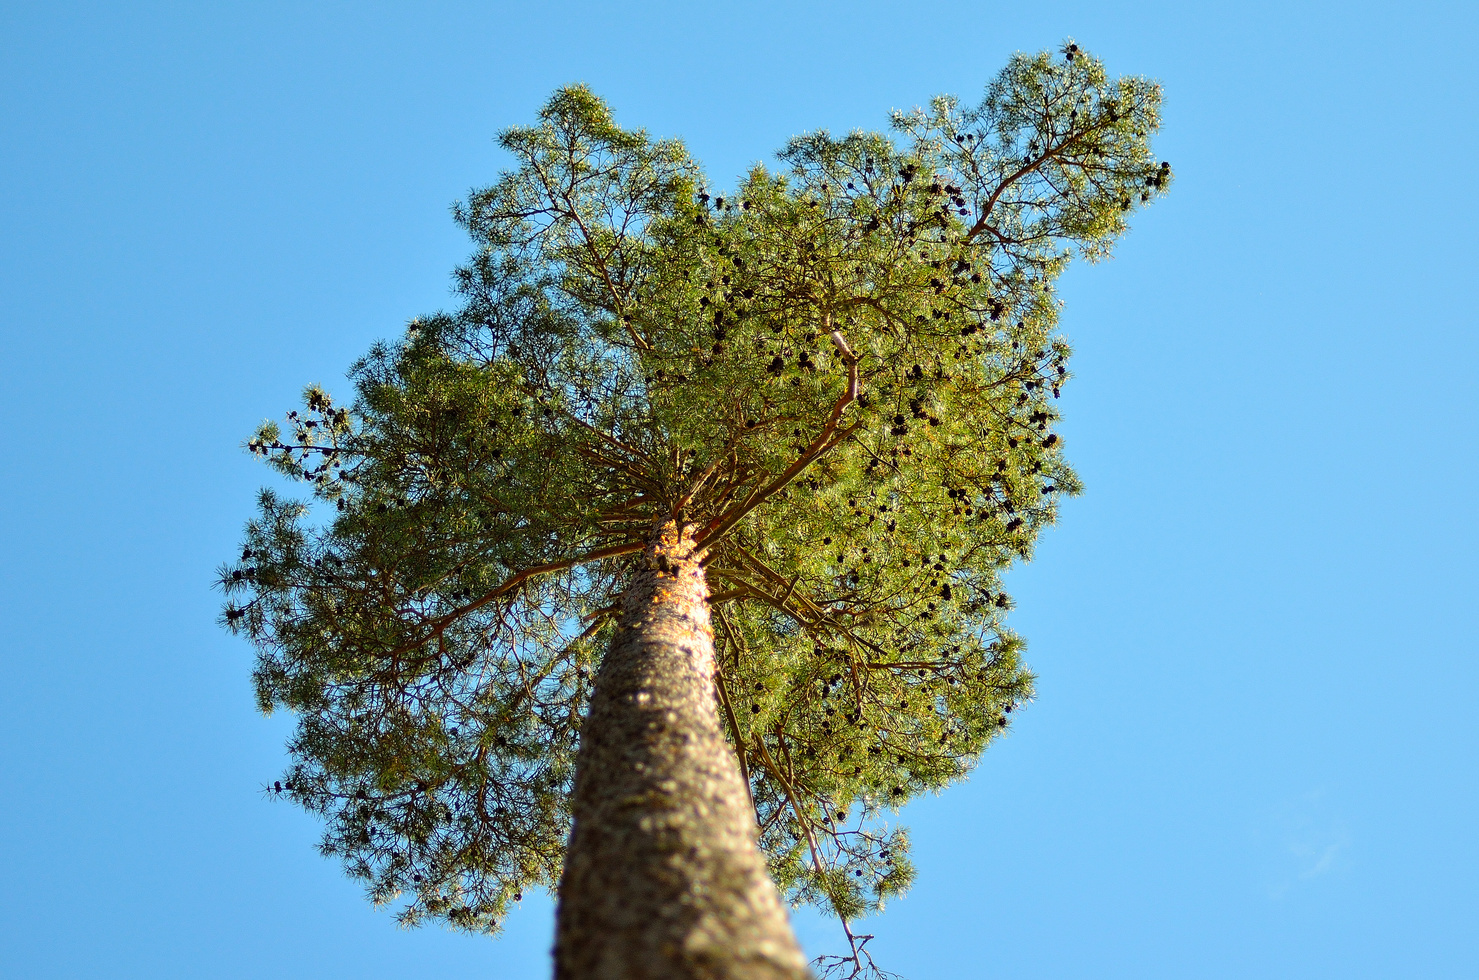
843,371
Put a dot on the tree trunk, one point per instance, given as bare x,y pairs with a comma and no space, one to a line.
663,878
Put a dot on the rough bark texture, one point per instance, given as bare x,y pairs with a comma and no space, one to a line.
663,878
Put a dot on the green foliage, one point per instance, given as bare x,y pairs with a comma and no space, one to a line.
842,372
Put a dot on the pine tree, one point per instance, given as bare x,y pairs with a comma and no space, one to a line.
685,531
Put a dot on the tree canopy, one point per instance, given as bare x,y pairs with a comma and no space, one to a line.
842,373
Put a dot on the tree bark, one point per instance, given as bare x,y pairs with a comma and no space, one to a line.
663,878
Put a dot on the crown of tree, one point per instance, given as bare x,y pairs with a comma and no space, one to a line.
839,379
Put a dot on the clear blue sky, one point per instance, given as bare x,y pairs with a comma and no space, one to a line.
1254,748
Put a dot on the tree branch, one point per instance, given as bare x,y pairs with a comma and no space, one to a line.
825,440
439,625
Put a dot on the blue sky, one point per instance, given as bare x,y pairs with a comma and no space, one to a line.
1254,747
